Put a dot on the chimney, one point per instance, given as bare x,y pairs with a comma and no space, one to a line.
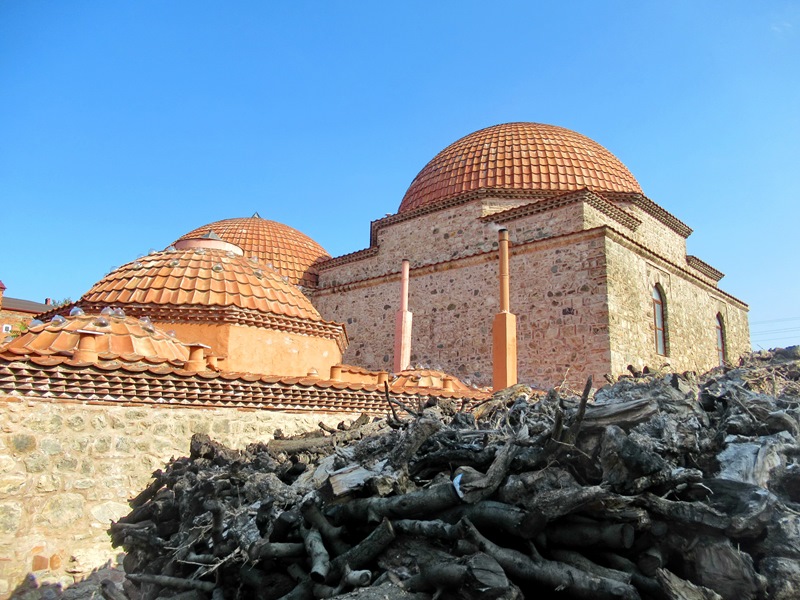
48,301
197,361
383,377
402,325
336,372
87,346
504,329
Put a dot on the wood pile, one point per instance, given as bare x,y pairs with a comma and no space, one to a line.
660,486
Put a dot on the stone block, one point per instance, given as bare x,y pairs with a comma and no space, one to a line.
76,422
67,463
50,446
22,443
46,424
102,444
11,514
48,483
109,511
36,462
7,464
62,511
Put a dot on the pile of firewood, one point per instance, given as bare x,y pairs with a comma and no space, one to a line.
660,486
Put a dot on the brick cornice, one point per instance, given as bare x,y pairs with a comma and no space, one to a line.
705,268
532,246
378,224
651,208
666,263
584,195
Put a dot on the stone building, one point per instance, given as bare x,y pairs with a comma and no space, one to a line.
600,278
16,312
243,325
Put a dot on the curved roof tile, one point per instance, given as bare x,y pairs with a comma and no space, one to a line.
518,156
207,278
290,253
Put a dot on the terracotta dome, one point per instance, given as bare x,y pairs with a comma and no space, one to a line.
290,253
518,156
116,337
199,278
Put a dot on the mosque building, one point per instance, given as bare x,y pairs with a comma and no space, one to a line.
522,252
599,275
522,249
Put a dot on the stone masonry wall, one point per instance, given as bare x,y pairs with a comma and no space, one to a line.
690,313
68,468
655,236
557,291
453,232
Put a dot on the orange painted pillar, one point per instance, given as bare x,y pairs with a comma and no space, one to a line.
402,325
504,328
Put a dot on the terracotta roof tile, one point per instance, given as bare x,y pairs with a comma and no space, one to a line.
135,383
277,247
121,338
550,158
212,278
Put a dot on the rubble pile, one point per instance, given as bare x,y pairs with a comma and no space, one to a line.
660,486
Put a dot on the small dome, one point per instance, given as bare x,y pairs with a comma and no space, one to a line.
519,156
115,338
290,253
196,278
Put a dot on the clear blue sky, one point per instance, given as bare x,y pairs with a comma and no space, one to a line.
124,125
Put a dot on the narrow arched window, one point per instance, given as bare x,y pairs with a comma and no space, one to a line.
659,321
721,340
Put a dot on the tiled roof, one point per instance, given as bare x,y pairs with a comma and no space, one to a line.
290,253
60,378
426,378
116,338
519,156
200,278
26,306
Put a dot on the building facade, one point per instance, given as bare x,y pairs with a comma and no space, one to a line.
600,277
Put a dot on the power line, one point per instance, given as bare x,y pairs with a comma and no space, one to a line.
774,331
775,320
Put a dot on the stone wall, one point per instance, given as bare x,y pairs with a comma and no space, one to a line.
690,305
68,468
655,236
582,302
557,291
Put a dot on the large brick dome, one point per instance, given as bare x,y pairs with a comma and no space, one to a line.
518,156
290,253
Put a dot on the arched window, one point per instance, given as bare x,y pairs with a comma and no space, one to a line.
659,321
721,340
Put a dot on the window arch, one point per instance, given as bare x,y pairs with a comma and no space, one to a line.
659,321
721,354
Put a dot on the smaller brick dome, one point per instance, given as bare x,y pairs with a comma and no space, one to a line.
518,156
199,279
116,337
291,253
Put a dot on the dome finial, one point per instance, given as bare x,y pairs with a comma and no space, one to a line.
256,215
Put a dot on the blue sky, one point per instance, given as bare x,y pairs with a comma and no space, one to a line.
124,125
